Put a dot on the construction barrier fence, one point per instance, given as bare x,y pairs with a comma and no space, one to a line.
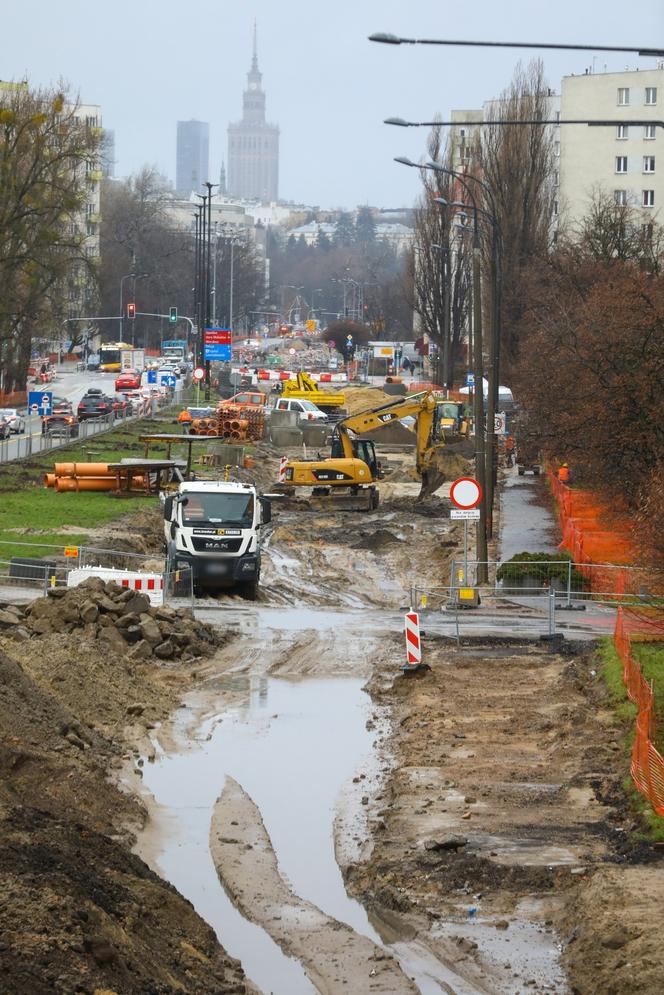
595,536
647,765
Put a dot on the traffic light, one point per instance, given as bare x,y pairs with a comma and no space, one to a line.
131,310
173,315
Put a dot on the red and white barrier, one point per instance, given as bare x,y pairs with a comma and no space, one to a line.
413,642
273,375
147,583
283,463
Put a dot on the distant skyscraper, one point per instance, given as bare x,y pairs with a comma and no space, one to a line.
193,156
253,145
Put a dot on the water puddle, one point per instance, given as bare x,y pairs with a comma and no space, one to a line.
292,746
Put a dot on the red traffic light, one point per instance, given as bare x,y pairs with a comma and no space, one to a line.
131,310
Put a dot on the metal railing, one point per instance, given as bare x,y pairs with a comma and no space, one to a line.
30,444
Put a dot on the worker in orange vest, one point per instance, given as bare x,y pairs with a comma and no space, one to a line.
563,474
185,419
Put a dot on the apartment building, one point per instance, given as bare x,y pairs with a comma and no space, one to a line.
625,159
192,167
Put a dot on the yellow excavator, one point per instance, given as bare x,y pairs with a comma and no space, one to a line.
347,478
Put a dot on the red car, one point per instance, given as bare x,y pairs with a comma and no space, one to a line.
129,380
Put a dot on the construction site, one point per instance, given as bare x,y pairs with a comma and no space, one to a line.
214,786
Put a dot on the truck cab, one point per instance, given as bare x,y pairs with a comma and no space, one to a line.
212,527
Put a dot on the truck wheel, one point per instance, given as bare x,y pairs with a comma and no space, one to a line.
375,499
536,471
521,471
249,590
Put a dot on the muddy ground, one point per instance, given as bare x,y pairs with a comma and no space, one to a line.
498,824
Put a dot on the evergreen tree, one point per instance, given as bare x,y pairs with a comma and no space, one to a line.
344,231
365,227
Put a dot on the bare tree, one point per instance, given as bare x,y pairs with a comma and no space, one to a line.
439,278
46,152
517,163
615,232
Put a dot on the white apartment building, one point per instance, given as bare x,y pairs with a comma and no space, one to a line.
625,160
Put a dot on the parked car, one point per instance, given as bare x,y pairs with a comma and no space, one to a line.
15,419
248,399
94,404
5,429
128,380
61,424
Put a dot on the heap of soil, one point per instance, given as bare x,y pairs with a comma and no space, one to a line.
78,911
380,539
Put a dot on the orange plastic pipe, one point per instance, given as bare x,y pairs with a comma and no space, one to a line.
80,469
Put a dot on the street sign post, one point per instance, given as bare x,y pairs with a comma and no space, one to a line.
168,379
40,402
465,495
470,379
198,373
217,344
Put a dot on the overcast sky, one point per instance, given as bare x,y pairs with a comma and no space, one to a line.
150,63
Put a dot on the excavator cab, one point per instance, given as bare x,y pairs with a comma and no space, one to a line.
363,449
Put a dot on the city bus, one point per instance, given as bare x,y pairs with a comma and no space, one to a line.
110,358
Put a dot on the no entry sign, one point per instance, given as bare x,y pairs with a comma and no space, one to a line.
198,373
465,493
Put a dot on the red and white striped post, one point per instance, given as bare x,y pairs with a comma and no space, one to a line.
413,642
283,462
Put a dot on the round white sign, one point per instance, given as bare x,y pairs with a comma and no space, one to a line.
198,373
465,493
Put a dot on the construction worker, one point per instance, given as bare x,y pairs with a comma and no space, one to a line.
185,419
563,474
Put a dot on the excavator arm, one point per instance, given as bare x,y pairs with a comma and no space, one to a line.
420,406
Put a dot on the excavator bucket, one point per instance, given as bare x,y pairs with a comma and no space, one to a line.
432,479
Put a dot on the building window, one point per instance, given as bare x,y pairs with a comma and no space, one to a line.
555,208
651,95
649,131
620,198
648,164
622,131
621,164
556,148
648,198
623,96
556,178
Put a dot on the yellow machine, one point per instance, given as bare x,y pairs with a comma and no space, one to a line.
347,478
306,389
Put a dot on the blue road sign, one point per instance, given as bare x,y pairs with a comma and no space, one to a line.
40,402
168,379
152,376
470,379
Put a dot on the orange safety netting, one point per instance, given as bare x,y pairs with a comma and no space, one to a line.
647,767
599,541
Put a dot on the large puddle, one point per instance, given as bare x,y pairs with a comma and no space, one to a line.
292,746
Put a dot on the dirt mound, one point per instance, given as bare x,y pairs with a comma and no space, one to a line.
381,539
79,912
104,652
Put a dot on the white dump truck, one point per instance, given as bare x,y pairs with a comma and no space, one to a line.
212,527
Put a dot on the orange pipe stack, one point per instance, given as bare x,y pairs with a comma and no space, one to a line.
86,477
